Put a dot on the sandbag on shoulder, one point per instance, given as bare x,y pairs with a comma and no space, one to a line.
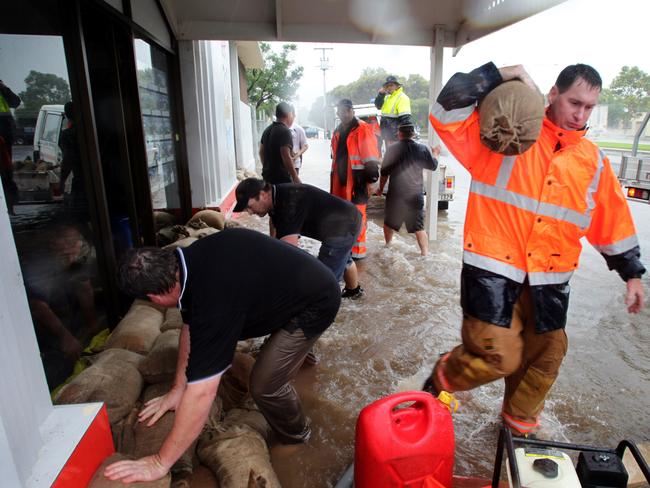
100,481
113,379
511,118
139,328
160,363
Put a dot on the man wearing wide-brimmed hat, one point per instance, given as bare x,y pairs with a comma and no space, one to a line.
395,108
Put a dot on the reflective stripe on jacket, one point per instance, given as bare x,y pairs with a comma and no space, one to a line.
362,147
527,213
396,104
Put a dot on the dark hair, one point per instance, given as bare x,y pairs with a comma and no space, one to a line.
69,110
407,129
147,270
570,74
283,109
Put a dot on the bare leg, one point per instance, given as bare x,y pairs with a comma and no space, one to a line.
351,277
388,234
423,241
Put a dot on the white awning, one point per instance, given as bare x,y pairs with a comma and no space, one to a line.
400,22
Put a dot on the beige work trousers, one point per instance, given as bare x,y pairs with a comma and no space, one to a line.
272,384
528,362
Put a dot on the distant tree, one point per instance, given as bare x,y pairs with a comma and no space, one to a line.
276,82
420,113
631,88
42,89
616,110
416,86
364,90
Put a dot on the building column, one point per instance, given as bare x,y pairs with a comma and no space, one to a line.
433,177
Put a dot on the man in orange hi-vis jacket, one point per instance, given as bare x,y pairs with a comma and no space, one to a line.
525,217
355,159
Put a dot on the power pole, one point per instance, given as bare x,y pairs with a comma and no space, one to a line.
324,66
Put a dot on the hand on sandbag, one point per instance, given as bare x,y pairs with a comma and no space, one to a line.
159,406
144,469
517,72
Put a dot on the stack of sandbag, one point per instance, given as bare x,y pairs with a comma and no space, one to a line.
212,218
202,224
113,378
160,364
173,320
148,440
234,385
139,328
100,481
511,118
162,220
237,450
244,173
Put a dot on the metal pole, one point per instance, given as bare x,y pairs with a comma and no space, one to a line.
324,66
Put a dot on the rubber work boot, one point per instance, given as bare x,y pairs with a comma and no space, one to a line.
352,293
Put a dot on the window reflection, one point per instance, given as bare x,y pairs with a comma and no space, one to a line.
45,187
157,125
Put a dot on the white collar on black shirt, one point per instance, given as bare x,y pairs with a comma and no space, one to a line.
182,261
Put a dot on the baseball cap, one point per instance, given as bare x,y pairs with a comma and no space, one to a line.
345,102
406,126
391,79
247,189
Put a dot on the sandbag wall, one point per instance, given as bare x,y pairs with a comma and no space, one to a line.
138,363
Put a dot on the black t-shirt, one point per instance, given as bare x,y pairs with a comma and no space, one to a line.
404,162
239,284
312,212
274,137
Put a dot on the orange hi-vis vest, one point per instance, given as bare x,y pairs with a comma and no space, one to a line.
361,147
527,213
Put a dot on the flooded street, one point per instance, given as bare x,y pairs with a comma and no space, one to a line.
389,340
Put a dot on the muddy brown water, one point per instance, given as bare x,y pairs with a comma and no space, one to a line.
389,340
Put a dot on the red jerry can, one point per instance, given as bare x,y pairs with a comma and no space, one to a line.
404,440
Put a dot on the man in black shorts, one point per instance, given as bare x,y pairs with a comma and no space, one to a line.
306,210
403,163
229,286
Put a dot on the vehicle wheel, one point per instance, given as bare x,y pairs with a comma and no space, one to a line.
443,205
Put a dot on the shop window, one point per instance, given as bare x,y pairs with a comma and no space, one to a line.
157,122
44,180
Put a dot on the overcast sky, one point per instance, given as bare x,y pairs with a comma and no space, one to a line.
606,34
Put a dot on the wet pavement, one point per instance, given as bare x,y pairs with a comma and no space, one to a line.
389,340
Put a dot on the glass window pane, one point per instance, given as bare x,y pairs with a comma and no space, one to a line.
158,126
52,127
44,184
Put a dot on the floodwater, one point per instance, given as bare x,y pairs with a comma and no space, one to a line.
389,340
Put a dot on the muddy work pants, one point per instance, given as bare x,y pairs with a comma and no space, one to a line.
528,362
271,384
